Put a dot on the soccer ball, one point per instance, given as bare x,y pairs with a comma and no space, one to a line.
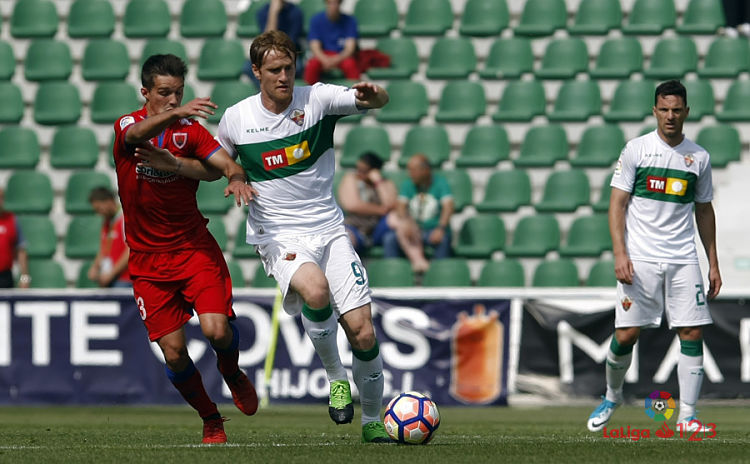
411,418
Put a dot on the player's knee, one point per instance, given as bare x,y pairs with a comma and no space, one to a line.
176,357
216,332
363,337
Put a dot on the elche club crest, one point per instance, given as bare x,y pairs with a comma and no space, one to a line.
689,159
298,116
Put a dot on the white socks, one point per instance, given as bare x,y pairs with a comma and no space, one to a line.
367,369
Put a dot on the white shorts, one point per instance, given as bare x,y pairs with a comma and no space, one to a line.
656,287
334,254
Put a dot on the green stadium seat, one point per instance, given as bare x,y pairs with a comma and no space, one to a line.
564,192
534,236
7,61
247,21
241,248
556,273
618,58
11,111
451,58
596,17
404,58
650,17
161,46
397,177
521,101
217,228
602,205
702,17
111,100
82,237
20,148
105,59
362,139
673,58
83,281
74,147
602,274
506,191
376,19
600,146
428,17
588,236
39,233
700,97
726,57
29,192
235,272
389,272
408,102
203,18
542,17
432,141
78,189
33,19
221,59
461,101
48,60
508,58
261,280
210,197
484,146
563,59
505,273
46,273
449,272
480,236
57,102
722,143
146,19
633,101
89,19
736,103
484,18
461,187
543,146
576,101
226,94
309,9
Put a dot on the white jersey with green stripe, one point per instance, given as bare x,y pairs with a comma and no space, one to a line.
664,182
289,159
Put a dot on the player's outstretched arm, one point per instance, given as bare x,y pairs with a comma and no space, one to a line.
238,185
153,125
163,160
705,219
370,95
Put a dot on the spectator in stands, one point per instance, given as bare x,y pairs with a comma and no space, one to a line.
110,267
12,248
333,42
737,14
422,216
366,198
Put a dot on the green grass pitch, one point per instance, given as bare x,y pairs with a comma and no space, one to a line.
305,434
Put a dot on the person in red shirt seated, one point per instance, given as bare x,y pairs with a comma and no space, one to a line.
110,267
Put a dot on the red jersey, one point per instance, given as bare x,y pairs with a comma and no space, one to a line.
160,208
112,243
9,240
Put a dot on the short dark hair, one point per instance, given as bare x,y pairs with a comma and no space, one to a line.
372,160
162,65
271,40
672,87
101,194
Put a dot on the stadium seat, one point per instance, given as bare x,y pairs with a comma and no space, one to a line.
484,18
702,17
111,100
83,281
542,17
505,273
221,59
461,187
28,192
11,111
376,19
432,141
203,18
33,19
74,147
556,273
404,58
563,59
461,101
576,101
161,46
506,191
602,274
48,60
564,192
521,101
650,17
480,236
484,146
389,272
247,23
408,102
210,197
428,17
451,58
633,101
736,103
602,205
105,59
241,248
82,237
20,148
146,19
39,234
216,226
46,273
596,17
397,177
722,143
508,58
57,102
543,146
78,189
726,57
309,9
700,98
7,61
261,280
361,139
89,19
673,58
618,58
449,272
235,272
534,236
599,147
587,236
226,94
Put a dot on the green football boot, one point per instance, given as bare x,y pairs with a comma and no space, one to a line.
374,432
340,406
